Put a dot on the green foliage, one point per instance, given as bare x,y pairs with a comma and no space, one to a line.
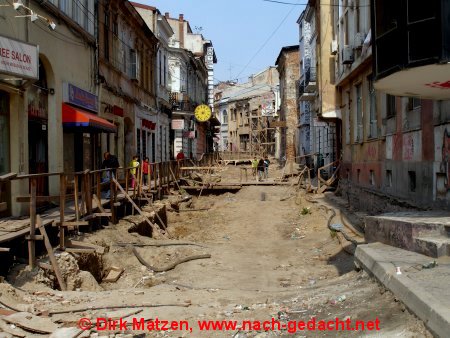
306,211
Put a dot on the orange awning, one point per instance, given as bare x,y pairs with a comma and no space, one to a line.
84,121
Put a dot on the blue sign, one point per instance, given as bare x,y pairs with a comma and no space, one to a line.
80,98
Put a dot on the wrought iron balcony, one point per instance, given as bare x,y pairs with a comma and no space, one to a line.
181,102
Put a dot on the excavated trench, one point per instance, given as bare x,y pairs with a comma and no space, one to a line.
87,270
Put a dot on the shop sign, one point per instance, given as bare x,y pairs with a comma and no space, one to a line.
209,57
178,124
79,97
19,58
278,124
148,124
117,111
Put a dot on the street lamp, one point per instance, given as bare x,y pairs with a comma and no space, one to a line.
18,4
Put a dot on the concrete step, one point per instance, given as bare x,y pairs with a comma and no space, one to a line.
423,290
433,246
401,229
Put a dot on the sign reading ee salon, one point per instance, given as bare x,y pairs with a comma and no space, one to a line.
18,58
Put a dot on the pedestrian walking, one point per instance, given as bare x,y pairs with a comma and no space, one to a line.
146,170
266,167
109,162
254,166
134,164
260,169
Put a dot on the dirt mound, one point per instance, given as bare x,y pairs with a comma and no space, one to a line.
73,276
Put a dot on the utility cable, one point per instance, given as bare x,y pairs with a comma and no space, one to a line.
267,41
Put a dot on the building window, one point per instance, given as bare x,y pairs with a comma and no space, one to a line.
414,103
372,109
165,71
412,181
389,178
347,119
224,117
391,106
372,177
358,175
134,65
359,114
106,36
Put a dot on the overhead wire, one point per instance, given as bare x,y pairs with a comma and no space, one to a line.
305,4
266,41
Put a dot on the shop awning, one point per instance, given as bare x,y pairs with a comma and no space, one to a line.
79,119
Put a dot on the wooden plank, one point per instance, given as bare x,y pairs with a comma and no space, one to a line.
98,202
31,322
198,168
34,238
74,244
154,227
221,187
79,250
278,124
113,275
77,206
102,214
51,256
27,199
31,243
73,224
8,177
62,201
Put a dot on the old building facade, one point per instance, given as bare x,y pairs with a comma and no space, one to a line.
288,63
391,145
35,75
127,61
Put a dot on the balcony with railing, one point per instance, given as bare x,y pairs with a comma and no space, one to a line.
411,48
181,102
304,95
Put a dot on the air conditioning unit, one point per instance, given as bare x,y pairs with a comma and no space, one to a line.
334,47
347,55
359,40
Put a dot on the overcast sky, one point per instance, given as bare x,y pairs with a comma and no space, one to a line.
239,29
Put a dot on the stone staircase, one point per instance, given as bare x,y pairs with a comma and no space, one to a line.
426,232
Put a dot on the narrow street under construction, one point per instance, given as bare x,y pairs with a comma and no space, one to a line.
227,252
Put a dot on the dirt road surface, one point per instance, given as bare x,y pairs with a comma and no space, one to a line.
270,259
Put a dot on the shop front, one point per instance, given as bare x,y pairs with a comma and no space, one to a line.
147,130
19,68
82,129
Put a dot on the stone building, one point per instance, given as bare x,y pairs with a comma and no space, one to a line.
126,72
288,63
246,111
159,25
190,74
392,145
43,58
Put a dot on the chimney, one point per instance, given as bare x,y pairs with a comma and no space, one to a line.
181,30
167,15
